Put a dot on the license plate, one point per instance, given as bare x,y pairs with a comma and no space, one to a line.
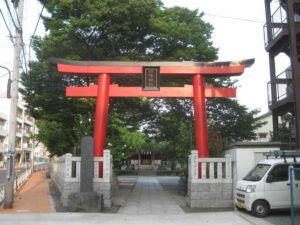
239,205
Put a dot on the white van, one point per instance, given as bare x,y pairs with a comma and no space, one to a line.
267,186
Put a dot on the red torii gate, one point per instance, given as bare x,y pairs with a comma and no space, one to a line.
198,91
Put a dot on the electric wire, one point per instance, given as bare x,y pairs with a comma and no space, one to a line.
35,29
37,23
4,75
234,18
19,30
11,16
22,40
17,17
9,31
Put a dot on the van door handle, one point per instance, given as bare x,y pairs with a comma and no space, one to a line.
296,185
288,184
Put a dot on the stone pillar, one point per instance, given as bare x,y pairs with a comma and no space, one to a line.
193,166
103,185
68,165
87,165
69,184
107,166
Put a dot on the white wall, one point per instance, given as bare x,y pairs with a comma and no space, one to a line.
267,128
245,155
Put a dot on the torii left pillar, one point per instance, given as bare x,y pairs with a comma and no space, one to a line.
101,116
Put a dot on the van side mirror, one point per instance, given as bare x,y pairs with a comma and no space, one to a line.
270,178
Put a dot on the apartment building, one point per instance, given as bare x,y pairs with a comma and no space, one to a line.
265,132
26,148
282,40
3,136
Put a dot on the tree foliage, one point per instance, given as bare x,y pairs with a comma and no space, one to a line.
125,30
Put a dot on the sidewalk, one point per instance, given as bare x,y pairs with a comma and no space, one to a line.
32,197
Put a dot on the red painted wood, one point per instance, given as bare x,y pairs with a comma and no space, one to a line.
96,70
164,70
101,116
165,92
201,137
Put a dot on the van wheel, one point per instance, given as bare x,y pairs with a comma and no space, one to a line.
260,208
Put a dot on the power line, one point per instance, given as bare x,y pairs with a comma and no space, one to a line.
35,29
234,18
17,15
19,30
4,75
38,21
10,34
12,18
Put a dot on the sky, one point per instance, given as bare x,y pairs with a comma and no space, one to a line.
238,34
239,39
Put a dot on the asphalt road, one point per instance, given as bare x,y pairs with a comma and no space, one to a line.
276,217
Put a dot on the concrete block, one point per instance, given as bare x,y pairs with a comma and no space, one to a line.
227,195
227,187
85,202
216,187
199,187
102,186
210,204
107,203
201,195
218,196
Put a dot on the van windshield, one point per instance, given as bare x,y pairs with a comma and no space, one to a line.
257,173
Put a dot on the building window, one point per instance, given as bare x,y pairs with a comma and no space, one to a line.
262,135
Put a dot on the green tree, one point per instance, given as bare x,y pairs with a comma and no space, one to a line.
123,30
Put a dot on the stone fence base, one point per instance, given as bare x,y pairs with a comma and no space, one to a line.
210,195
210,182
65,172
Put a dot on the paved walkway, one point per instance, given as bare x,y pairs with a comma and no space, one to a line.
219,218
32,197
146,204
148,197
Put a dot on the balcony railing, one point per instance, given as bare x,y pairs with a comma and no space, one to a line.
283,85
27,146
278,22
3,147
27,133
28,120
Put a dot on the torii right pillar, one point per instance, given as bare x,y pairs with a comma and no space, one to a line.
201,136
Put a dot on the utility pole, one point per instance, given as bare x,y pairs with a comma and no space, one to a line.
10,172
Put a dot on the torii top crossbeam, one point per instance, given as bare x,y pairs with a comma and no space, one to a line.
229,68
198,91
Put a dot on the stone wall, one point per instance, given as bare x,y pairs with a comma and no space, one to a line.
210,195
65,172
209,186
